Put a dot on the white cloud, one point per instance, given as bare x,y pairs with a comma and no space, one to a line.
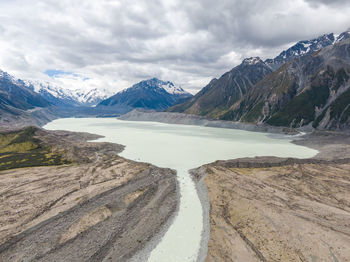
117,43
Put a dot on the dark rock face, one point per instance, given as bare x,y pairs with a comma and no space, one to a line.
149,94
220,94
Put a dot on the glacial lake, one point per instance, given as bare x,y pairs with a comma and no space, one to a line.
182,147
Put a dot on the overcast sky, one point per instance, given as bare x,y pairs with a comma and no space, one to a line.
114,44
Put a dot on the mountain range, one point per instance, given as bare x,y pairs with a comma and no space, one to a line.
31,103
306,84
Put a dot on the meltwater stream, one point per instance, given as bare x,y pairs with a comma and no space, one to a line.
181,147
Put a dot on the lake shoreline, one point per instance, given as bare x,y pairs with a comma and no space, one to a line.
156,238
203,197
189,119
98,199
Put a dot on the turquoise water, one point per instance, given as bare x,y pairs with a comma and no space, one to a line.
181,147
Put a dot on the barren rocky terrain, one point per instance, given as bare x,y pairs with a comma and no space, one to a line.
275,209
99,207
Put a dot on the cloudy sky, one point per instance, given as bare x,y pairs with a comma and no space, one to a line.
115,43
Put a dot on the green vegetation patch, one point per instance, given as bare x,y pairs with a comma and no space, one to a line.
21,149
340,107
319,118
302,106
254,114
341,78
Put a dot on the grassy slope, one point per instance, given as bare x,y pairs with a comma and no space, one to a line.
22,149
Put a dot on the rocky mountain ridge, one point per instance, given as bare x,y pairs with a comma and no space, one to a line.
305,47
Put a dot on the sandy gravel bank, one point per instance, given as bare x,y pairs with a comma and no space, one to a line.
188,119
273,209
101,207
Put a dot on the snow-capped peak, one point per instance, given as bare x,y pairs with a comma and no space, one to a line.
168,86
251,60
172,89
9,77
152,83
343,36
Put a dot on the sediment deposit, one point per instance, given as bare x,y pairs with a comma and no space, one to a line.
99,207
273,209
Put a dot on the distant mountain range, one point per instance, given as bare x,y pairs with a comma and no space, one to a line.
54,95
307,84
73,97
27,102
151,94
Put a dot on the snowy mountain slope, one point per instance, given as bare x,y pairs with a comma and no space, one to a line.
300,49
172,89
343,36
148,94
79,97
306,47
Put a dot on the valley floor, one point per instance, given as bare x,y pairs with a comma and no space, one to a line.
274,209
101,207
